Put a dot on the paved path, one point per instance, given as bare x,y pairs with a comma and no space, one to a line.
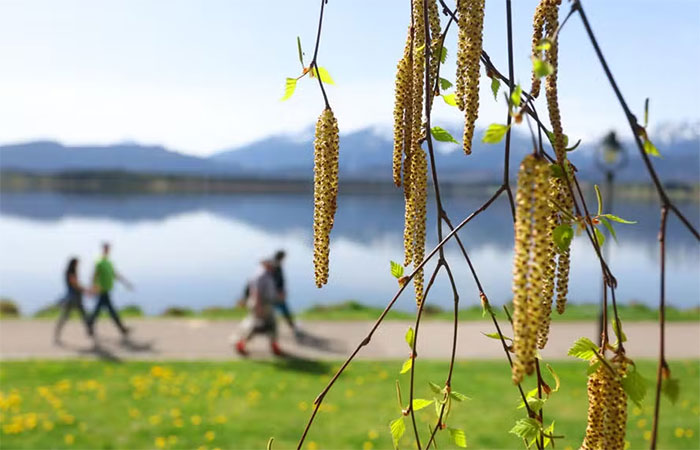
197,339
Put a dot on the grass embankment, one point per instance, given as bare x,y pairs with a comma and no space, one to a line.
352,310
81,404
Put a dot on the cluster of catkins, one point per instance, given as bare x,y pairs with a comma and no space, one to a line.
410,164
535,271
607,407
470,16
325,190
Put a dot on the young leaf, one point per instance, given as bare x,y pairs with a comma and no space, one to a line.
494,133
301,54
556,171
600,199
557,382
449,99
443,55
527,429
407,365
541,68
442,135
445,84
544,45
459,396
584,349
562,235
496,336
396,269
322,74
458,436
670,389
534,403
600,237
397,427
609,226
515,96
650,148
420,403
617,219
550,432
550,136
435,388
409,336
618,332
289,87
646,112
495,86
635,386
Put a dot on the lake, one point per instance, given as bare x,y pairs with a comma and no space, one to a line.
198,250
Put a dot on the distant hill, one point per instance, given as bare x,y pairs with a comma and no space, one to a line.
365,155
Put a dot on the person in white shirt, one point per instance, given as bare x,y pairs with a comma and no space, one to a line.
262,295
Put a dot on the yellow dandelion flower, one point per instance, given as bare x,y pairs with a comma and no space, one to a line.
303,406
196,420
312,445
678,432
160,442
47,425
154,420
641,423
178,422
69,439
372,434
647,435
209,436
689,433
367,445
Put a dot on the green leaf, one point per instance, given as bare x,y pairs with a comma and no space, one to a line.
438,407
534,403
593,367
442,135
646,112
398,428
407,365
600,199
670,388
496,336
617,219
443,54
618,331
445,84
459,396
634,385
557,381
515,96
301,54
289,87
527,429
562,235
550,136
458,436
541,68
549,431
450,99
420,403
651,148
396,269
600,237
609,226
495,86
409,337
556,171
584,349
544,45
435,387
494,133
322,74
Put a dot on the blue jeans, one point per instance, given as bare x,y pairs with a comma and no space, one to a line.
104,301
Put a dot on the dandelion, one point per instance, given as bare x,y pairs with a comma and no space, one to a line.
209,436
312,445
160,442
154,420
367,445
69,439
47,425
196,420
678,432
303,406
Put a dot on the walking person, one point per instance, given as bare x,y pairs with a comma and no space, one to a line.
72,300
262,295
103,280
281,299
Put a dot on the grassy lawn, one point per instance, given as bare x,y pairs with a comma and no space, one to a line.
91,404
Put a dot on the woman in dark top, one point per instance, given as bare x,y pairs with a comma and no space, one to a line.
73,299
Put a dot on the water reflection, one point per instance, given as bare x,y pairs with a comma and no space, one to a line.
197,250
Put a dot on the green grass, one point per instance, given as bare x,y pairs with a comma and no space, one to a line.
240,404
353,310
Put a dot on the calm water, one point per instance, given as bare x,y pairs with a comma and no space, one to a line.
197,250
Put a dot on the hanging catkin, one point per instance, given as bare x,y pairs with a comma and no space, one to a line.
549,271
435,38
564,259
607,407
470,16
537,33
325,190
402,107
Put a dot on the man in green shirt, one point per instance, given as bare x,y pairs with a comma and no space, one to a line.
103,280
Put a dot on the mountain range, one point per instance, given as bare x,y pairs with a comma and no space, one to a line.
365,155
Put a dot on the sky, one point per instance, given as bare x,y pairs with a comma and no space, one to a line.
201,76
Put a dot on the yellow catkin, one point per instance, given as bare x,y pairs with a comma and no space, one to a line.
564,259
548,264
402,105
470,16
537,33
607,407
325,190
435,40
419,198
524,330
552,56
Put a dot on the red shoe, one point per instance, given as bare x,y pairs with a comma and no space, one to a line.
240,348
276,349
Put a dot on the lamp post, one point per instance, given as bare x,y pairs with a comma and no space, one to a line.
610,157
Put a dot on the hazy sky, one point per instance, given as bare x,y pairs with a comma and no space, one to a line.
204,75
